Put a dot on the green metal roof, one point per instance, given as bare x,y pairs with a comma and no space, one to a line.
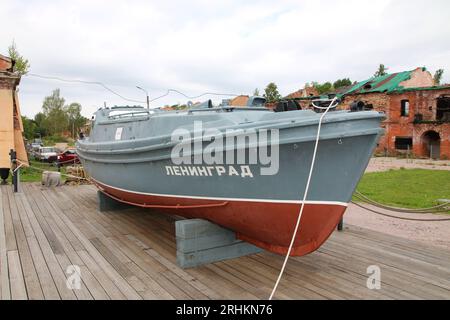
402,90
387,83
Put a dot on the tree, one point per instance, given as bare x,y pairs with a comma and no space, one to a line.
323,88
256,92
75,120
56,120
39,120
438,76
21,65
342,83
271,93
382,71
30,129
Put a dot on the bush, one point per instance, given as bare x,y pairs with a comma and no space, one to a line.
52,140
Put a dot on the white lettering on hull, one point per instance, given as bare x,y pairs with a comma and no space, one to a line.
209,171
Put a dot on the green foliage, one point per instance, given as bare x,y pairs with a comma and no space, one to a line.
415,188
75,119
52,140
56,118
30,129
21,65
382,71
271,93
33,175
39,119
323,87
178,106
342,83
438,76
256,92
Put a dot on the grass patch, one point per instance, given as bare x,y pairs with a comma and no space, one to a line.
414,188
34,175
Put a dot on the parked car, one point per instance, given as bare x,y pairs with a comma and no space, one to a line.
68,157
48,154
35,146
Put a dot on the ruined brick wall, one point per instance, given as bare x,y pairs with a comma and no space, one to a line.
422,102
419,79
380,102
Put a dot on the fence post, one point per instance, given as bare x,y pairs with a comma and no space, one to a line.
15,179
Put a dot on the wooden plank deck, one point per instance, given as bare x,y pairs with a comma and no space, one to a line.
131,255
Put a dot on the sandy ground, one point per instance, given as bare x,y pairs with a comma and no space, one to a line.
434,233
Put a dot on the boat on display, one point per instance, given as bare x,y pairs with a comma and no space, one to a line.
244,168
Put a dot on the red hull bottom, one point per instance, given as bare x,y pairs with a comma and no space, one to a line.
268,225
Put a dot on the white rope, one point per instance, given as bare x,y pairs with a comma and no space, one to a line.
304,198
18,167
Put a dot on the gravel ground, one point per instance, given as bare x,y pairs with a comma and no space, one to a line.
385,164
434,233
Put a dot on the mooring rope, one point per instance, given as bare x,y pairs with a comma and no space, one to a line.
305,195
397,217
419,210
42,170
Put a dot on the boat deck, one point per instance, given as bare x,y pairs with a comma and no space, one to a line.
131,255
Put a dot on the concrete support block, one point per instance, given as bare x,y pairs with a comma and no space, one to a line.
106,203
201,242
51,179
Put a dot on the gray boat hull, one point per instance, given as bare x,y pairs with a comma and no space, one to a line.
262,209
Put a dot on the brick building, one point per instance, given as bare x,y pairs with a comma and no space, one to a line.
417,112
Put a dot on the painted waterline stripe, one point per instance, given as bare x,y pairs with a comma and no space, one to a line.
333,203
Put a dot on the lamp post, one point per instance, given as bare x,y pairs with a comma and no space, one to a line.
146,93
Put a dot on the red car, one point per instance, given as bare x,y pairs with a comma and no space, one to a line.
68,157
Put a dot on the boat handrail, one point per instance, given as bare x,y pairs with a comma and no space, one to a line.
130,114
228,109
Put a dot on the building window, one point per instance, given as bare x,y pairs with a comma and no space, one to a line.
405,108
443,109
403,143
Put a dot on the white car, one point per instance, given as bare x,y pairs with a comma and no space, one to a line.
48,154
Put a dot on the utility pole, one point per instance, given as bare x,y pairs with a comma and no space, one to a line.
146,93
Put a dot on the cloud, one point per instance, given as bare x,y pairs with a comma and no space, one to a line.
221,46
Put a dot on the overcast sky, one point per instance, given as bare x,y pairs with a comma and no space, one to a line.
216,46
